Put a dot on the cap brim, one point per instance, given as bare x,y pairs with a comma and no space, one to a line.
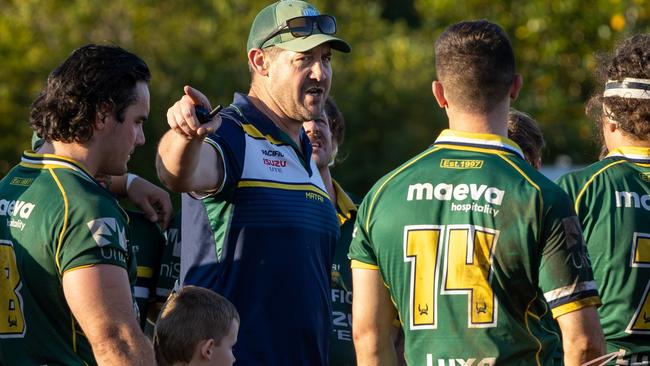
307,43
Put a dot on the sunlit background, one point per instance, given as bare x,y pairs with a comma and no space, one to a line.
383,87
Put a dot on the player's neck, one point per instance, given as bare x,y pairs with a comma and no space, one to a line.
264,103
329,184
493,122
617,139
77,152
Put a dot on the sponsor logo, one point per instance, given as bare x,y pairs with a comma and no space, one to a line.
18,224
105,230
175,240
645,177
272,153
309,12
18,181
275,163
632,199
487,361
459,192
21,209
314,196
461,164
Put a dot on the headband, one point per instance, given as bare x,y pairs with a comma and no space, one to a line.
628,88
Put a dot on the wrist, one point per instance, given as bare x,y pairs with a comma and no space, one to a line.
129,180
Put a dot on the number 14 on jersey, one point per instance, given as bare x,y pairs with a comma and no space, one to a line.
450,260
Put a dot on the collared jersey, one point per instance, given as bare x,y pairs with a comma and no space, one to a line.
342,349
269,241
54,218
612,199
476,248
148,242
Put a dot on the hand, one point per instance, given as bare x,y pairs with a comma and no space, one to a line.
182,118
152,200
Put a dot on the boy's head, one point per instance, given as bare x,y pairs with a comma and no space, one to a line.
523,130
197,327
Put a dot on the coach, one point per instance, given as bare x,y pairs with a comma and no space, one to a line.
272,226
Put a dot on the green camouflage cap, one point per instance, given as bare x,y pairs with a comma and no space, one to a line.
270,18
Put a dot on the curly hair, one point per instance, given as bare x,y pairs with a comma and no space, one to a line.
630,59
94,79
525,131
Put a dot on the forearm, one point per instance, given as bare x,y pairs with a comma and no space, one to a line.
177,161
581,350
123,345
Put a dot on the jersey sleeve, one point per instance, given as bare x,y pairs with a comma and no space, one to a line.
362,253
229,142
565,274
94,232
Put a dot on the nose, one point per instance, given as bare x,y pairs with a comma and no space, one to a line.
139,137
318,71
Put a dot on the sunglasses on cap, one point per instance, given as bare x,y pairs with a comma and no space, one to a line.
304,26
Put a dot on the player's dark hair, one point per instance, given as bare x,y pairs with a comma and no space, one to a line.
525,131
475,64
630,59
94,79
188,317
336,120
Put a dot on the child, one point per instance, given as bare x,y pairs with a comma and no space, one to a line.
196,327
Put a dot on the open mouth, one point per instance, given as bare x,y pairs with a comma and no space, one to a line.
315,91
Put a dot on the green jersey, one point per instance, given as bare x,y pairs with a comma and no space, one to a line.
54,218
476,248
147,241
612,199
341,348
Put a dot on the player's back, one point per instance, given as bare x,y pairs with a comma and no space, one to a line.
469,239
612,199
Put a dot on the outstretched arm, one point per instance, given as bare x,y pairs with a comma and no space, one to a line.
372,317
184,163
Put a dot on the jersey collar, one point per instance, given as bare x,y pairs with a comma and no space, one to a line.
345,207
44,161
270,131
633,153
478,140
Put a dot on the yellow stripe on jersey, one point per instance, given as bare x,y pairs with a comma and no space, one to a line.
65,220
361,265
576,305
486,150
145,272
539,344
584,188
381,187
292,187
252,131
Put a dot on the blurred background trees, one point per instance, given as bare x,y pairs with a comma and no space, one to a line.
383,86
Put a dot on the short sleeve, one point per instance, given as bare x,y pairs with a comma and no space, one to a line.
94,232
229,142
361,251
565,274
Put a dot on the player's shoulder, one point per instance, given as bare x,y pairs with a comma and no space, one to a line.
83,195
579,178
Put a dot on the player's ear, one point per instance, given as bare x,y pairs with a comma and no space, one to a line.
101,116
439,93
205,347
517,83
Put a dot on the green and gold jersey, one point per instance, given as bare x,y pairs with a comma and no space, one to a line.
341,348
148,242
476,248
54,218
612,199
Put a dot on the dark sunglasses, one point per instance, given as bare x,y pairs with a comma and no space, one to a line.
303,26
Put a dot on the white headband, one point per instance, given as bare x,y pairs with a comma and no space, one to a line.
628,88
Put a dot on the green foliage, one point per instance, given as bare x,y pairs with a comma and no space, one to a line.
383,86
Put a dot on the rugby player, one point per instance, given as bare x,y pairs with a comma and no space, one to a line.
466,241
326,133
612,199
67,262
